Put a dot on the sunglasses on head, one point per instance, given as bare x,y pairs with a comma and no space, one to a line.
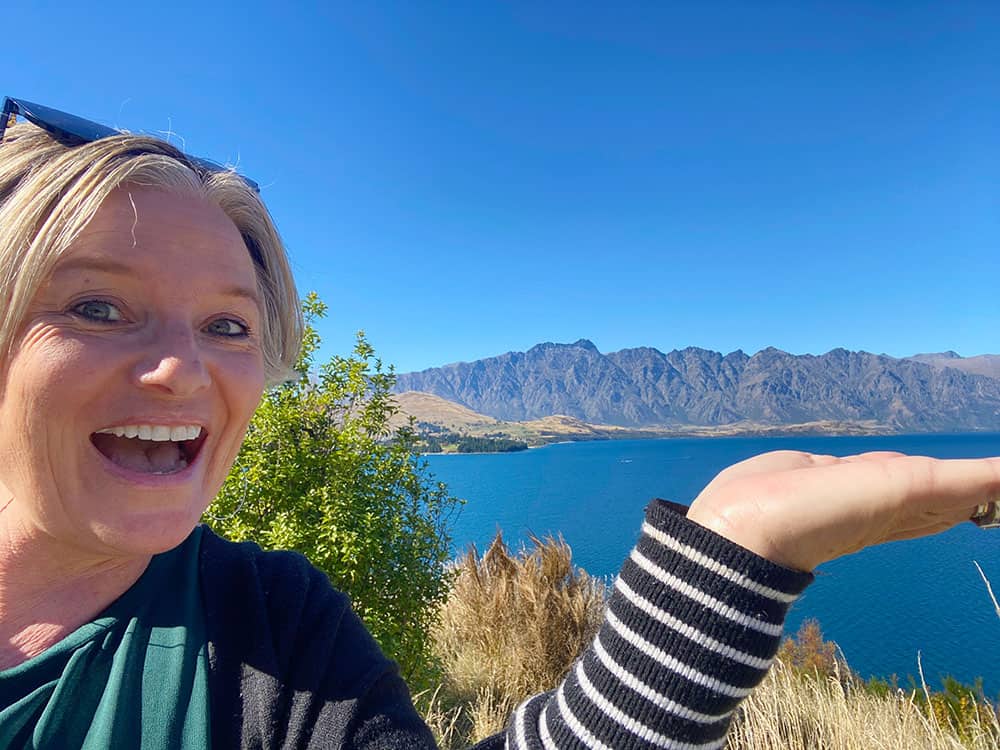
66,126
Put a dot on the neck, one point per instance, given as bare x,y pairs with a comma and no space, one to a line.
47,591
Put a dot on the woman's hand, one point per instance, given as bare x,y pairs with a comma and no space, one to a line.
800,509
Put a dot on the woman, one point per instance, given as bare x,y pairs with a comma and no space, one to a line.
147,303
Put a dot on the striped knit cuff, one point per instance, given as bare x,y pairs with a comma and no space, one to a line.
692,626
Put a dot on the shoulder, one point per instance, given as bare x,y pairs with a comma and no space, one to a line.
286,650
276,611
249,557
283,573
274,592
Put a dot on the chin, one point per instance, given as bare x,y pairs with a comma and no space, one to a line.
148,533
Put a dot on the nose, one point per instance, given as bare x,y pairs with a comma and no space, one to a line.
173,364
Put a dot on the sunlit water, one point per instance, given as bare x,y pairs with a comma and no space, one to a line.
881,606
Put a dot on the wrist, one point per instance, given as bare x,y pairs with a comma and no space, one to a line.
749,533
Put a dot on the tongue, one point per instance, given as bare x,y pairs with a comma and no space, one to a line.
165,458
144,456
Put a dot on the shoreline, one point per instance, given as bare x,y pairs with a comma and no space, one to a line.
708,436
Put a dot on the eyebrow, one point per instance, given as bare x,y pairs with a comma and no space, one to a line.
102,265
117,268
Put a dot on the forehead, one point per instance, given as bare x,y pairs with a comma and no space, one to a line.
160,236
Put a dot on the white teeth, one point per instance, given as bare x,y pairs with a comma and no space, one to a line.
156,433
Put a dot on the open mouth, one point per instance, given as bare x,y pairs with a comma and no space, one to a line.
150,449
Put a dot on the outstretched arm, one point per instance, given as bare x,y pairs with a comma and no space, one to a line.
697,612
691,628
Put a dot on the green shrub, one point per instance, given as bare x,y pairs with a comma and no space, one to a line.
322,472
961,708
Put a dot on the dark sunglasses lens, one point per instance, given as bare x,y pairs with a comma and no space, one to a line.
63,124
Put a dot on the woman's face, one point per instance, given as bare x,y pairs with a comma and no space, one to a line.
133,378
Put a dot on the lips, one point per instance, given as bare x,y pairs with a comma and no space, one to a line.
149,448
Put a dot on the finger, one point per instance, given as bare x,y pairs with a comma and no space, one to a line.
949,469
874,456
773,461
953,484
919,496
923,531
933,522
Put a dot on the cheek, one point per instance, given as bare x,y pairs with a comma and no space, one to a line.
48,357
51,383
247,382
243,379
44,387
48,376
242,391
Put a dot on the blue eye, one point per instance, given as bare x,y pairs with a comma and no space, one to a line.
98,311
227,327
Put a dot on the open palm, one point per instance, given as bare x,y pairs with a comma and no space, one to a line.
800,509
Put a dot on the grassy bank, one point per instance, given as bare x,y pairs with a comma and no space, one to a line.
514,623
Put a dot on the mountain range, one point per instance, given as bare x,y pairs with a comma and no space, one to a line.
644,387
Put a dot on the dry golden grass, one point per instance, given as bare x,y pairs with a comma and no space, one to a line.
426,407
514,624
792,711
511,628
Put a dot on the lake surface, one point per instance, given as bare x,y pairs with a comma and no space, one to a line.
881,605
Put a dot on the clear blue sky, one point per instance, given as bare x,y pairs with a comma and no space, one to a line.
465,179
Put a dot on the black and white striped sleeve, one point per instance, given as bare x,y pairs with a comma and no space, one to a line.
692,626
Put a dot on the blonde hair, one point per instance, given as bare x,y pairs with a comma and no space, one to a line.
49,191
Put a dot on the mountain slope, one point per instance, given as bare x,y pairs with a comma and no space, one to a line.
984,364
644,387
426,407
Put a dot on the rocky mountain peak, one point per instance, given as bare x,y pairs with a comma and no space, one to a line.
692,386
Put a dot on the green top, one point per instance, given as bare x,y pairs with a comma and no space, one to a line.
137,676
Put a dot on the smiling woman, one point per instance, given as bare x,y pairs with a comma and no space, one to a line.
138,362
147,302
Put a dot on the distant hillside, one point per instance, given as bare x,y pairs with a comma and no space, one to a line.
984,364
426,407
643,387
433,414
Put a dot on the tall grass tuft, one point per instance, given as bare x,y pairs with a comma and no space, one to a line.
511,627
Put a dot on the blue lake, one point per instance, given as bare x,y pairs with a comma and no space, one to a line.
881,605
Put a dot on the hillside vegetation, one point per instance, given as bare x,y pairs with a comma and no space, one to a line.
514,623
448,422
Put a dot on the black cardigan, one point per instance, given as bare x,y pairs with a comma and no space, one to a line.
692,625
